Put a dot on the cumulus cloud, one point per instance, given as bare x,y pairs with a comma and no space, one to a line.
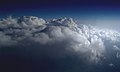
58,40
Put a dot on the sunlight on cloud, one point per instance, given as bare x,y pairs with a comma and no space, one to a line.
59,38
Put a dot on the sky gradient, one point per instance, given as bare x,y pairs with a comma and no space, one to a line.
31,42
58,6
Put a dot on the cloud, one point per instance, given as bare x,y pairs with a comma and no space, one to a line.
61,42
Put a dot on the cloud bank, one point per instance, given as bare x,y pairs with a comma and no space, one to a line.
58,45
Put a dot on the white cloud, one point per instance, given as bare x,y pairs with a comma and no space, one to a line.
58,37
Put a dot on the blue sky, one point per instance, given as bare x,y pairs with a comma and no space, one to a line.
49,8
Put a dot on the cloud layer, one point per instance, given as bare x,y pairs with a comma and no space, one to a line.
57,45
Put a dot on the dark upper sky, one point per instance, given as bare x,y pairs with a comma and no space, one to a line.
59,7
18,5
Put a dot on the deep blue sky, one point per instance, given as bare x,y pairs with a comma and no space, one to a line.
58,7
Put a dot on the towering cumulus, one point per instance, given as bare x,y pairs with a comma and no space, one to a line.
32,44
